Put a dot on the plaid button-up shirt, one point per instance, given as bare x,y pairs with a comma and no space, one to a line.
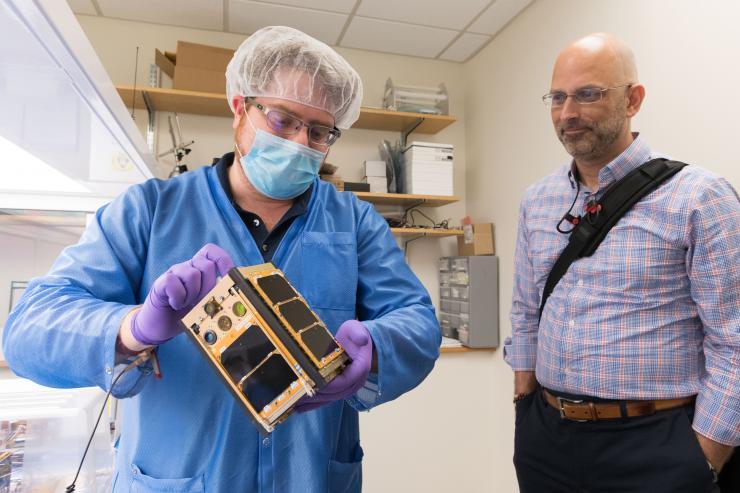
653,313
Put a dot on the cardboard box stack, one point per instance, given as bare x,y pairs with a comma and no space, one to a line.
196,67
428,168
375,176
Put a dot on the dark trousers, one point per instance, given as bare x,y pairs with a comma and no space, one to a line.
651,454
729,478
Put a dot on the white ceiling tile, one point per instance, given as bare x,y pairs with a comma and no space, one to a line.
247,17
202,14
85,7
343,6
396,37
437,13
497,15
464,47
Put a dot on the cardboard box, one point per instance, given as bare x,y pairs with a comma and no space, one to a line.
480,244
378,184
196,67
374,168
166,61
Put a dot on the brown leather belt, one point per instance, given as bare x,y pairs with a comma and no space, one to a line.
594,411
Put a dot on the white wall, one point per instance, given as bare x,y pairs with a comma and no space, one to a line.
687,55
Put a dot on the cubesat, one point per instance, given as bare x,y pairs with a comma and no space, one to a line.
266,343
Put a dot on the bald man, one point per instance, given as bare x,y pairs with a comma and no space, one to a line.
640,341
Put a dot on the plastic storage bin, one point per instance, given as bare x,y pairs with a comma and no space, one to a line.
45,431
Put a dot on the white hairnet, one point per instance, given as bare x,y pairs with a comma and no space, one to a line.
282,62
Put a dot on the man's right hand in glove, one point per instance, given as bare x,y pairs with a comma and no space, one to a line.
172,295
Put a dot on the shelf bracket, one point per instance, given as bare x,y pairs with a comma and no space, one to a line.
151,120
406,245
405,133
418,204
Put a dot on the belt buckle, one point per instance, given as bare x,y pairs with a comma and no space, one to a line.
561,401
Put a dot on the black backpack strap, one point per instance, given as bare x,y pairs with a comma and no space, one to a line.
616,201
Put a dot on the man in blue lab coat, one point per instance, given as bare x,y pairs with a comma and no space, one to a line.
153,252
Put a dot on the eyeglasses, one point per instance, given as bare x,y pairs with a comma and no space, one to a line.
286,124
585,95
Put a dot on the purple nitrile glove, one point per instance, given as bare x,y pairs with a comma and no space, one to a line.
175,292
355,339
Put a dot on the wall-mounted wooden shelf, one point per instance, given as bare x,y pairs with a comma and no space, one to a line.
207,103
407,200
400,121
175,100
426,232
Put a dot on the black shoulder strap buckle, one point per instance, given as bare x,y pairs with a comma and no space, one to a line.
617,200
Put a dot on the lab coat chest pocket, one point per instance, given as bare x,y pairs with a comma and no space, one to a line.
329,270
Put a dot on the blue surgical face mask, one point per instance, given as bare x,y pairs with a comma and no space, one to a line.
279,168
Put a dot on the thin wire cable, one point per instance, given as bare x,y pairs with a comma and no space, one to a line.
442,224
133,96
140,359
565,216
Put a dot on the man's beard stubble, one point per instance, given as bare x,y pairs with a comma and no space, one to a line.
597,138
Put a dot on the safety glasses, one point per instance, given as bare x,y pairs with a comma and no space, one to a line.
286,124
